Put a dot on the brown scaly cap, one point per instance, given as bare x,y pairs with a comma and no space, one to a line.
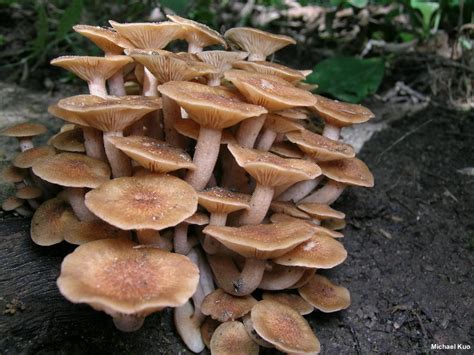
29,192
69,141
105,38
257,42
348,171
320,251
190,129
219,200
212,107
87,68
145,202
270,169
269,91
73,170
288,208
114,276
270,68
32,156
340,114
13,174
284,327
111,113
155,155
49,221
321,211
281,217
224,307
231,338
292,300
286,150
23,130
149,35
198,33
320,148
262,241
324,295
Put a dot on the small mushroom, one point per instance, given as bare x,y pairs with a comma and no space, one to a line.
222,61
321,212
49,221
224,307
69,141
31,194
324,295
24,132
292,300
15,204
231,338
278,277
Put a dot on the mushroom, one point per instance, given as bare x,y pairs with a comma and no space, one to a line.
289,209
286,150
31,194
292,300
270,68
273,126
231,338
321,212
69,141
208,328
278,277
24,132
181,242
222,61
14,175
324,295
281,217
224,307
15,204
48,222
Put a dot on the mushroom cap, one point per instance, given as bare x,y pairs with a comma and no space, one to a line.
111,113
198,33
270,68
324,295
23,130
320,251
28,158
281,217
29,192
73,170
334,224
88,68
280,124
212,107
114,276
190,129
284,327
145,202
279,277
13,174
80,232
149,35
321,211
224,307
293,113
340,114
65,115
348,171
69,141
307,275
11,203
286,150
49,221
105,38
270,169
155,155
262,241
256,41
269,91
221,60
290,299
198,219
319,147
288,208
219,200
231,338
208,328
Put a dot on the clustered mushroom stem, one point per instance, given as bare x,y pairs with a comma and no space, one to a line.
327,194
299,190
75,198
152,121
119,162
214,80
331,132
188,327
180,240
259,204
248,131
171,114
256,57
93,143
266,140
116,84
128,322
210,245
25,143
97,87
205,157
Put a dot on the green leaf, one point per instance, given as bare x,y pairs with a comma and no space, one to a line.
427,10
348,78
177,6
70,17
358,3
41,25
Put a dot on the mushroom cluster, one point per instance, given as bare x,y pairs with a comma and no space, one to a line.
194,180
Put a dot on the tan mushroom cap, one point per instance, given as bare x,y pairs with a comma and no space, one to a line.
219,200
208,328
13,174
348,171
111,113
149,35
198,219
320,148
340,114
262,241
334,224
324,295
69,141
198,33
114,276
288,208
224,307
270,169
320,251
190,129
293,113
29,192
11,203
286,150
281,217
270,68
256,41
80,232
145,202
23,130
222,60
212,107
88,68
73,170
105,38
269,91
290,299
307,275
321,211
231,338
48,222
279,277
28,158
155,155
284,327
282,125
65,115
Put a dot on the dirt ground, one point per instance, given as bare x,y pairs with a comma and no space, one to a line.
410,241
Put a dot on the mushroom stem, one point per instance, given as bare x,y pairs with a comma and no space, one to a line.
188,327
256,57
266,140
75,197
116,85
128,322
211,245
119,162
299,190
259,204
214,80
248,131
97,87
194,47
233,281
327,194
93,142
180,240
25,143
171,114
151,237
151,121
331,132
205,157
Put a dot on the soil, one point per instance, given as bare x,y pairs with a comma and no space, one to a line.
410,241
